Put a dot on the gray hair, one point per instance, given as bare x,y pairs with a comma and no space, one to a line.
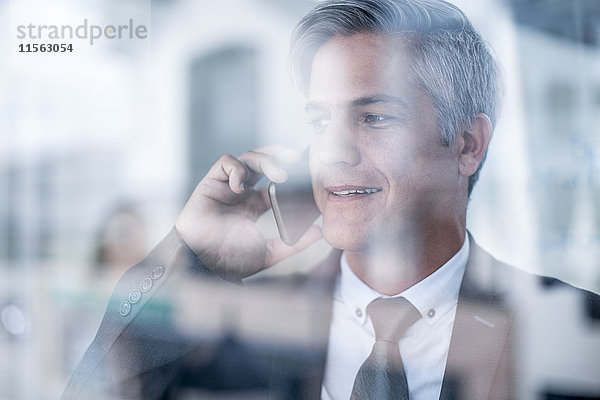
449,59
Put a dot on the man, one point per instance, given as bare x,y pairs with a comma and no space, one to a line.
403,97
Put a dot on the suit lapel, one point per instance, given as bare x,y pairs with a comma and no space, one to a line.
478,364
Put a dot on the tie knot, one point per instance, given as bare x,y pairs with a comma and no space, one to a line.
391,317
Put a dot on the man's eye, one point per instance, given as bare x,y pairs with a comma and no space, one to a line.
318,123
375,119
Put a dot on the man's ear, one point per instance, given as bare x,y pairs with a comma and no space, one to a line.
475,141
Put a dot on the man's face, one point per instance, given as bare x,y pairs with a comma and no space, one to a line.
380,172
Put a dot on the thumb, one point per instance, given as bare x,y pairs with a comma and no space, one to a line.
277,250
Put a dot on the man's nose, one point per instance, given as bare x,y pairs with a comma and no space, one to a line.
338,145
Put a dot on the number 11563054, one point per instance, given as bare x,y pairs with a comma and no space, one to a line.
45,48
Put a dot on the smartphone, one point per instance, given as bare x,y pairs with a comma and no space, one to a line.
293,202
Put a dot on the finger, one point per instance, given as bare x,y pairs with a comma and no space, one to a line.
263,163
277,250
281,153
218,191
229,169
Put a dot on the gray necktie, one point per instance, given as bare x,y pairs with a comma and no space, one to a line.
382,375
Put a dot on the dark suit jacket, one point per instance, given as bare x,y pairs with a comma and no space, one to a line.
172,326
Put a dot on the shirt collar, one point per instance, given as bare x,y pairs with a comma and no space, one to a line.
434,296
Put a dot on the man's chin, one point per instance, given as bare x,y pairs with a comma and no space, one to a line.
346,239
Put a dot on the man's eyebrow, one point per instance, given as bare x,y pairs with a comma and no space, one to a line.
315,106
378,98
361,101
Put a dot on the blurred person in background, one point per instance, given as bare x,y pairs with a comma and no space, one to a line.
121,242
403,96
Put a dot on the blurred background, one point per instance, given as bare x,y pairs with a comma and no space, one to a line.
100,148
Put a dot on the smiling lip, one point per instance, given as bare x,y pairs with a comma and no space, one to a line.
350,192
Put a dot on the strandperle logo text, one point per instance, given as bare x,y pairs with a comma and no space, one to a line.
83,31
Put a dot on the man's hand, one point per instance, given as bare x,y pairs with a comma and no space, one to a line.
219,220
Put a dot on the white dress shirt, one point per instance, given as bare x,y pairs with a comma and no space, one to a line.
425,345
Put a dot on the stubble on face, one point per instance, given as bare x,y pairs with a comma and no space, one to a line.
380,171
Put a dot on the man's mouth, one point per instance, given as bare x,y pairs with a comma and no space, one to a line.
354,192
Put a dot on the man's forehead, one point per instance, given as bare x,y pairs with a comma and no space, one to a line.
348,70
